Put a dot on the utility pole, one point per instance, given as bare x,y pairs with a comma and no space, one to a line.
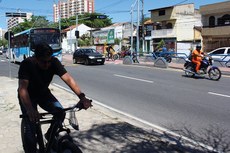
138,26
76,32
59,15
143,27
131,39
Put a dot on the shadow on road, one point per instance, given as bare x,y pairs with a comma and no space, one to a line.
123,137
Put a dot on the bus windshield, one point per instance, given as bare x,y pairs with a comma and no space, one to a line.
52,39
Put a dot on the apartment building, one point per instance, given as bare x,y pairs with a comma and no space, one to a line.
69,8
14,21
216,25
175,26
2,32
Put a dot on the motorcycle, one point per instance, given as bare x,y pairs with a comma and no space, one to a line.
206,67
166,56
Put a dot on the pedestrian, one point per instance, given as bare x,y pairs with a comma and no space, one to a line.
35,75
108,52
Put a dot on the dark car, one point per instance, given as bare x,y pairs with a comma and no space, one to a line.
88,56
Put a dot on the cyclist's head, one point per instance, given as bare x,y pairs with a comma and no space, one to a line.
198,47
43,50
43,54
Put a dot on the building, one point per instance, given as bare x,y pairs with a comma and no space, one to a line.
2,33
216,25
14,21
69,42
69,8
107,35
175,26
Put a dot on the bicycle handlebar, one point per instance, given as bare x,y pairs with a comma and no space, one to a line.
79,105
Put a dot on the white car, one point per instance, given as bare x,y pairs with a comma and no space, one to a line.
220,54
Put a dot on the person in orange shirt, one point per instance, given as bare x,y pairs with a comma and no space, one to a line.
197,56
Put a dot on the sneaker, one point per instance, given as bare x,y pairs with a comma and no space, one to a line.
198,72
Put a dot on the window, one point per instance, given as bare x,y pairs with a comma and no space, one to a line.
228,52
226,19
211,21
169,25
161,12
219,51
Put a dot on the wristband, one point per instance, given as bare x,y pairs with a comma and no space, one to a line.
82,95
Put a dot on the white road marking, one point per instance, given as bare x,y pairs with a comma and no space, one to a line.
122,76
217,94
156,128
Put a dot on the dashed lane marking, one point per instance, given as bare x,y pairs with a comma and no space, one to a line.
217,94
132,78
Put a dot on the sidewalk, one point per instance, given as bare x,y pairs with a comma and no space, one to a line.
67,58
101,129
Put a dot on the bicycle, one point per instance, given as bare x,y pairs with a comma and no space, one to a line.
61,143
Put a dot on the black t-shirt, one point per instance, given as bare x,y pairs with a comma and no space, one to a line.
39,80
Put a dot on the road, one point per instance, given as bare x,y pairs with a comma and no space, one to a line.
162,97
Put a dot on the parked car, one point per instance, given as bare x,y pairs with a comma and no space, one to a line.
88,56
220,54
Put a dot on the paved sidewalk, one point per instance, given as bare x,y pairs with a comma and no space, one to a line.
101,130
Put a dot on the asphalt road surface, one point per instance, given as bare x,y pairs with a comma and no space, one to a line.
163,97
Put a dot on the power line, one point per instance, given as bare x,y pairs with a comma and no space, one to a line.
111,5
26,10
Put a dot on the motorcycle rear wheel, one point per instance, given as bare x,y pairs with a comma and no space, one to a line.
214,74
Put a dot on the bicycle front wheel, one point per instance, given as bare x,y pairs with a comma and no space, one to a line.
69,147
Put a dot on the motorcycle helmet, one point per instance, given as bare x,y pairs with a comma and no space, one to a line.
198,47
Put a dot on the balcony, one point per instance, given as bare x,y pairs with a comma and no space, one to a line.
216,31
163,33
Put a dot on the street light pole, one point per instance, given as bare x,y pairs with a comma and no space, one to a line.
138,26
76,30
143,27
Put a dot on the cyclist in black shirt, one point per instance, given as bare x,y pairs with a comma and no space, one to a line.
35,74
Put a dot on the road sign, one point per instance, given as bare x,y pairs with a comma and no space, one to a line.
101,16
11,14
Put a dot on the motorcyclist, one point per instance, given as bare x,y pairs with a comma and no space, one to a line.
197,56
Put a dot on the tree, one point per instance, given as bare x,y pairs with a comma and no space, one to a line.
91,20
33,22
84,40
3,42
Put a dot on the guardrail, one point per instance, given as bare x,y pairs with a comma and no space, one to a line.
221,60
171,54
184,56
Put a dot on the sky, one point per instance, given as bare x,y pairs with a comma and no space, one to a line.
117,10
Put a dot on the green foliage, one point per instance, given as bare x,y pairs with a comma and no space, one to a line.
34,22
89,19
160,44
117,41
85,40
3,42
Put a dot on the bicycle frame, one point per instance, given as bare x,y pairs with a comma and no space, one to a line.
45,147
